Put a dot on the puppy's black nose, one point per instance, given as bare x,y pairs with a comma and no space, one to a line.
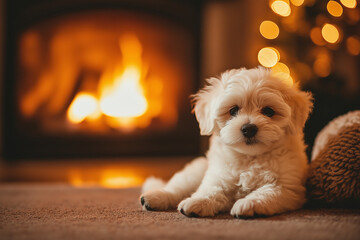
249,130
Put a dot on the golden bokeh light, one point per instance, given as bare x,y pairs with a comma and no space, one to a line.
297,2
330,33
277,52
349,3
334,8
269,29
353,45
282,71
268,56
83,106
281,68
281,7
316,36
289,81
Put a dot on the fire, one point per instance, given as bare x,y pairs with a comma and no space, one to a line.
121,96
127,98
84,105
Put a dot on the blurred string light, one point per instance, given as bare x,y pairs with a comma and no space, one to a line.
349,3
277,52
324,31
268,56
269,29
297,2
330,33
281,7
281,68
334,8
282,72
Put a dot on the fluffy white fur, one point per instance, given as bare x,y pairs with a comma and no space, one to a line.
263,177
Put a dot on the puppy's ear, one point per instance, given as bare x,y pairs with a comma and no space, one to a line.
301,105
205,104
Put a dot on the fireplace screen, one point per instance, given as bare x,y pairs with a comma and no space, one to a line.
99,83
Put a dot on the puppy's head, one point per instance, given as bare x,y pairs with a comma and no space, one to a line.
251,110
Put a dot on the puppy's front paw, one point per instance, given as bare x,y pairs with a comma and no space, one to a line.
197,207
157,200
243,208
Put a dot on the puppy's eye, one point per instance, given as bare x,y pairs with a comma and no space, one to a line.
268,111
234,111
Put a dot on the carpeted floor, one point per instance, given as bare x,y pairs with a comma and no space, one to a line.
54,211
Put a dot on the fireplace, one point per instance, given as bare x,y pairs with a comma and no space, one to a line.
100,78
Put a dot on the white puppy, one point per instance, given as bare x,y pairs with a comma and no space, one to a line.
256,164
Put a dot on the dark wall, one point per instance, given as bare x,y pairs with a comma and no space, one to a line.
327,106
1,68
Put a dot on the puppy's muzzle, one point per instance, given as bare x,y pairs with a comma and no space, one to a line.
249,130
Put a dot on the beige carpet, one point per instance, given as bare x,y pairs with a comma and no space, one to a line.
54,211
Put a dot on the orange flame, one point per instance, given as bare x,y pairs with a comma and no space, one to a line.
121,92
127,98
83,106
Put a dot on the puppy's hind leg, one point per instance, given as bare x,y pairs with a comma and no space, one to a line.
180,186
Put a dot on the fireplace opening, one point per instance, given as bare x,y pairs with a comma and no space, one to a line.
102,82
77,75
